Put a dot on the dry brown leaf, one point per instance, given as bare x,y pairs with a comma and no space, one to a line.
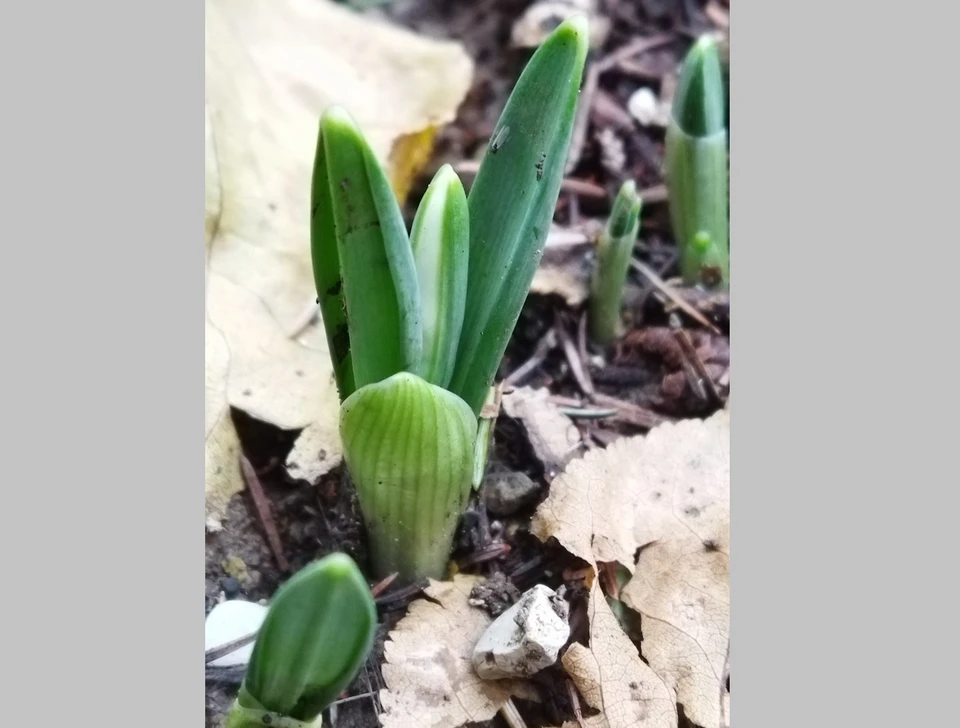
613,679
553,436
566,264
272,67
428,665
667,493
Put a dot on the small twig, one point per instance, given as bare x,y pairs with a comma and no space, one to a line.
582,340
353,697
526,567
587,414
575,702
381,586
582,120
231,675
582,187
488,554
304,320
574,209
400,594
633,48
573,358
511,715
589,88
658,282
639,71
215,653
546,344
631,413
657,193
691,353
561,401
263,511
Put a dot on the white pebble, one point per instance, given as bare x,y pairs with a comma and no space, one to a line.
524,639
644,106
230,621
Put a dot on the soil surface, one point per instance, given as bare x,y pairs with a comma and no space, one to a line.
650,366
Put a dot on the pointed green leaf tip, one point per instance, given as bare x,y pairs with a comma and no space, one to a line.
626,209
512,202
377,329
699,106
614,250
441,240
316,636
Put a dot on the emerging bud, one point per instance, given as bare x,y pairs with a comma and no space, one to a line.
697,172
316,636
614,249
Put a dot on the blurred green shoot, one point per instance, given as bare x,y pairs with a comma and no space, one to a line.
317,634
697,169
614,250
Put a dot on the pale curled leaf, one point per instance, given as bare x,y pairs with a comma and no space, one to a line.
553,436
428,666
668,492
271,69
613,679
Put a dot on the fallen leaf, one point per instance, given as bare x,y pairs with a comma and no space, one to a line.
428,666
613,679
666,494
553,436
543,16
567,263
272,67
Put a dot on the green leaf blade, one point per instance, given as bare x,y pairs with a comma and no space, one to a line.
326,273
440,239
512,202
376,263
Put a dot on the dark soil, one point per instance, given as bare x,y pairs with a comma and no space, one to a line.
645,367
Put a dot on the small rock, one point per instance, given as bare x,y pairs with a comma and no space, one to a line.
230,586
644,106
495,595
525,639
506,492
230,621
236,567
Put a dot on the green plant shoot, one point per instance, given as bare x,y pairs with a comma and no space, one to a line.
318,632
512,202
417,325
696,168
614,250
441,239
363,264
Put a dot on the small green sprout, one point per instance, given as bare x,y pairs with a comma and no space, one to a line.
317,634
696,168
417,325
614,249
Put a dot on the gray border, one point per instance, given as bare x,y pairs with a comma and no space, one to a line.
843,535
103,349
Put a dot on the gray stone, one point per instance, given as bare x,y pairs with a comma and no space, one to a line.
525,639
506,492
